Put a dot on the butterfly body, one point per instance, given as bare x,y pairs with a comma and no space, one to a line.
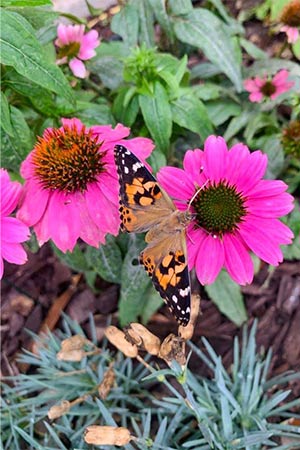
146,207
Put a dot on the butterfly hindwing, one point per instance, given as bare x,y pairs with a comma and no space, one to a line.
145,206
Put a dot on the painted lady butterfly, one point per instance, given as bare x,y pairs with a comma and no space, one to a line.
145,206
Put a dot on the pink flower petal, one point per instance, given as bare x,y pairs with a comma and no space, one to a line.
194,238
251,86
34,203
214,161
193,164
1,267
70,123
13,230
10,193
270,206
89,42
13,253
237,260
78,68
64,223
177,184
140,147
256,97
237,163
258,162
265,188
104,214
108,135
210,259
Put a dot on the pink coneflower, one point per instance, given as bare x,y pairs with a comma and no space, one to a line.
71,188
236,211
291,32
290,17
13,231
75,47
265,87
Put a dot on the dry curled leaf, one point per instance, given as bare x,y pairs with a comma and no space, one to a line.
57,411
107,383
74,343
173,348
106,435
142,337
118,339
71,355
187,332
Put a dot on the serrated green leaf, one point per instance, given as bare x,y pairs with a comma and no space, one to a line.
16,147
126,24
157,116
189,112
5,115
106,260
20,49
226,294
204,30
134,282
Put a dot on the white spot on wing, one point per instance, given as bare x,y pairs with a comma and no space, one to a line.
184,292
174,298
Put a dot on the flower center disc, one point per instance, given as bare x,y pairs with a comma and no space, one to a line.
268,89
219,208
67,159
69,50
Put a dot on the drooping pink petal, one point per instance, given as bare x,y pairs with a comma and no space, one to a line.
13,230
34,203
64,223
237,259
210,259
13,253
78,68
103,213
215,158
10,193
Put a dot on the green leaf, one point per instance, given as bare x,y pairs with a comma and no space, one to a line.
134,282
126,24
75,259
253,50
152,303
146,24
271,66
293,222
207,91
157,159
5,115
204,30
180,7
160,12
20,49
109,69
106,260
276,8
124,113
220,110
271,145
5,3
16,147
157,116
94,113
237,124
37,17
226,294
189,112
260,121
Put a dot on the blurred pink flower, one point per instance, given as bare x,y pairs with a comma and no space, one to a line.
236,211
291,32
13,231
71,188
265,87
75,47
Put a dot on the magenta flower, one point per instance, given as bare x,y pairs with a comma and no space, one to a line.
236,211
75,47
261,88
291,32
13,231
71,188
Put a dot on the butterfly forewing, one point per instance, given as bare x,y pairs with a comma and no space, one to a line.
145,206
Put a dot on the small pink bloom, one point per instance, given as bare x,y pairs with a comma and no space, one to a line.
236,211
291,32
75,47
13,231
71,188
261,88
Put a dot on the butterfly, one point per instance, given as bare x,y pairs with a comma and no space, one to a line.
146,207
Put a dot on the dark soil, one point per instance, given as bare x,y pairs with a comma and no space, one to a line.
34,295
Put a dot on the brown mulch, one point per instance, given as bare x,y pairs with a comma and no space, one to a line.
34,295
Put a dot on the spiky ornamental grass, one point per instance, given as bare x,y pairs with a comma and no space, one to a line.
230,411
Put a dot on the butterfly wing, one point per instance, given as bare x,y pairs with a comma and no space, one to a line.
143,203
165,261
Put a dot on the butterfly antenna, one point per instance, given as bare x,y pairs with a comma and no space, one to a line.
196,193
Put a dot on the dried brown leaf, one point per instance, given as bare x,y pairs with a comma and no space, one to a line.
142,337
106,435
118,339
